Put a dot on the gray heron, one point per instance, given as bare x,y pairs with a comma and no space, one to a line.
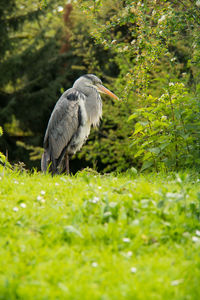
69,125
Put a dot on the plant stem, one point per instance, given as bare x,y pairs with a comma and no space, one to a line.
175,135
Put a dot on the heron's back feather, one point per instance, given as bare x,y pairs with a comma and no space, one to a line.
68,126
45,161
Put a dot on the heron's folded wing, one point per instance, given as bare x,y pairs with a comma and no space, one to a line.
63,123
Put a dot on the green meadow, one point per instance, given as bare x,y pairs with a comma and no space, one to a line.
92,236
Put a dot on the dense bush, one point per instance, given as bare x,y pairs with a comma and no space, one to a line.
156,45
137,48
167,131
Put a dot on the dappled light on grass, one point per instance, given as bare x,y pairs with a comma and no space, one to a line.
90,235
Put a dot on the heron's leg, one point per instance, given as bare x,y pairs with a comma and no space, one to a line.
67,163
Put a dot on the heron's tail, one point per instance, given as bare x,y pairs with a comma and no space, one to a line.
45,161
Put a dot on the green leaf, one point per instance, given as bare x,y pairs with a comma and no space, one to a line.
147,156
141,151
164,145
133,116
138,128
2,158
146,165
144,123
155,150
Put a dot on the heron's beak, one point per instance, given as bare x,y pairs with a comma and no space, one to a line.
104,90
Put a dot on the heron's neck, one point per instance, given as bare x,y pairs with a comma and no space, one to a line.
93,105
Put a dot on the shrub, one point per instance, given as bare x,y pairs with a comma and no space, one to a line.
167,130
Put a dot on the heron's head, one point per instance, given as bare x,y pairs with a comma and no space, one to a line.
86,82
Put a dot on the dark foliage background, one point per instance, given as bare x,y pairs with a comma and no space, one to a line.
147,52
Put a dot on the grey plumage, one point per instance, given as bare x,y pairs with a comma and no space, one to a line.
76,111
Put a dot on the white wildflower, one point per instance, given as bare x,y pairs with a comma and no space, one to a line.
15,208
162,19
56,183
95,200
176,282
16,182
126,240
99,187
135,222
42,192
195,239
23,205
129,254
63,179
133,270
174,195
107,214
39,198
186,234
171,83
197,232
94,264
178,179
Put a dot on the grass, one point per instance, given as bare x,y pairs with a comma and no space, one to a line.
99,237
